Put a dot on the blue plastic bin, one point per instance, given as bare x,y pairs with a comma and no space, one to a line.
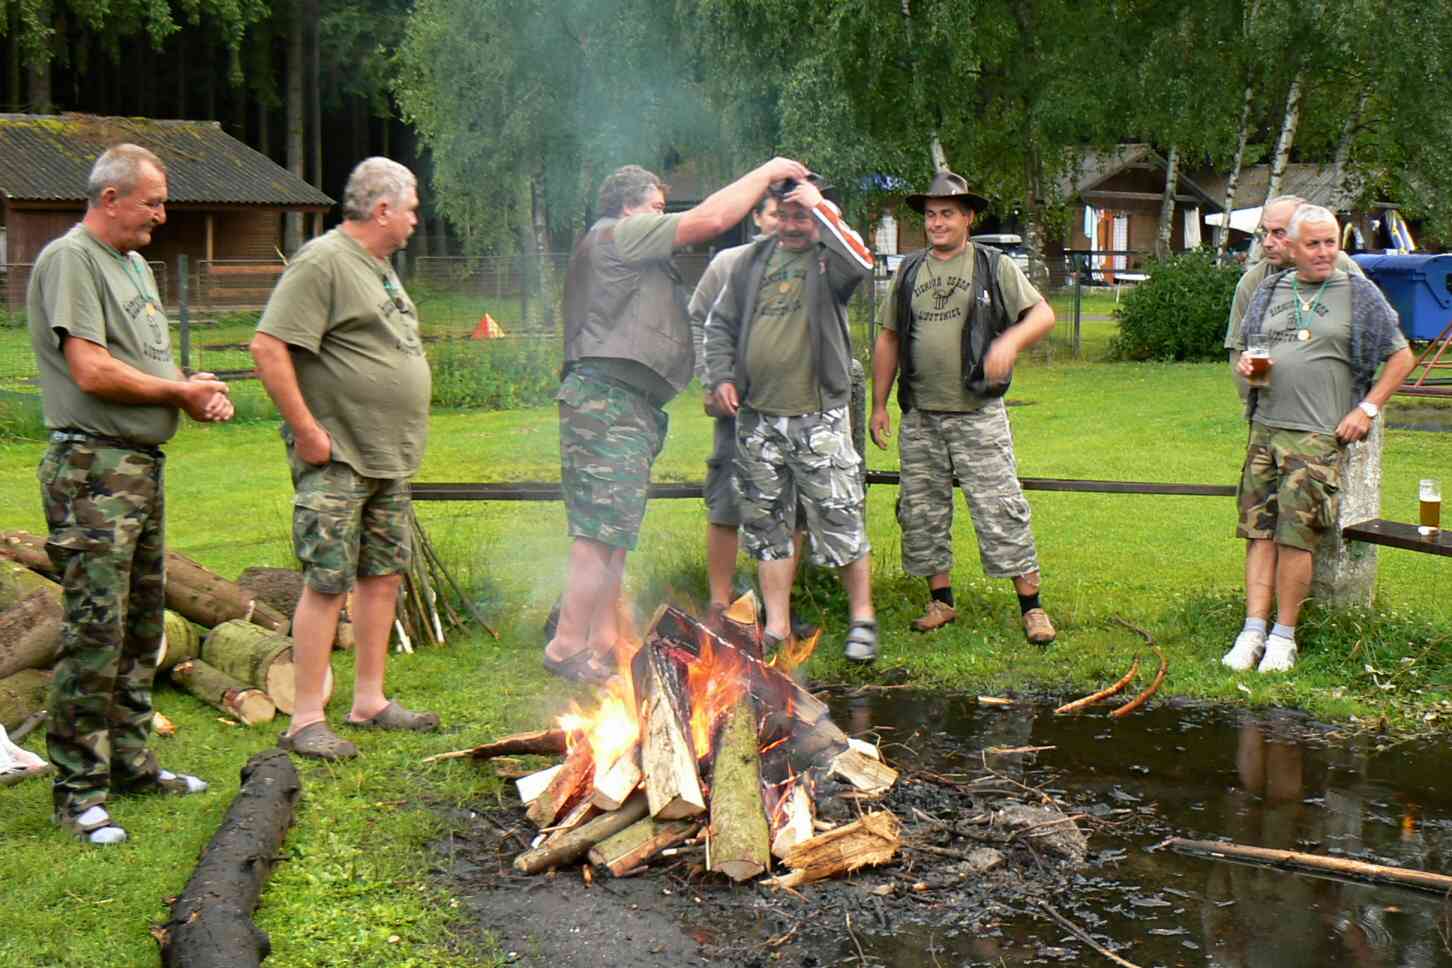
1419,286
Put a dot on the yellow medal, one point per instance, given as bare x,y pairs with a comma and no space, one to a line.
150,309
784,288
1303,335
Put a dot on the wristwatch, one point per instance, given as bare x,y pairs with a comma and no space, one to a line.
1369,408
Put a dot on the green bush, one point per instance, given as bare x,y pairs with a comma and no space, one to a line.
1179,313
502,374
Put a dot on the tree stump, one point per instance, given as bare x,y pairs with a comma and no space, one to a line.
183,641
209,599
279,587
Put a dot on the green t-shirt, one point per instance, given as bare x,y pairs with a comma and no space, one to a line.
1310,376
942,296
779,364
81,287
1257,273
354,337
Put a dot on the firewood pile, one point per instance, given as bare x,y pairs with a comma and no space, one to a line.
702,746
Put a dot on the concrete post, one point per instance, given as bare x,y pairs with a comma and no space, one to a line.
1345,571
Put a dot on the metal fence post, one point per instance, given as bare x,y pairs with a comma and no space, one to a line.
1078,306
184,313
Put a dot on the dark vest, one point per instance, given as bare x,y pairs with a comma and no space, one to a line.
987,318
624,311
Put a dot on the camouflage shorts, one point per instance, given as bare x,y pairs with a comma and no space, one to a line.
1290,486
105,507
781,461
722,506
977,448
345,525
609,437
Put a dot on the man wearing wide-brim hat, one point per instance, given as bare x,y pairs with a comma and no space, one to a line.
955,319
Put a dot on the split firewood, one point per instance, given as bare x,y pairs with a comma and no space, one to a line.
18,583
572,847
246,704
543,742
738,842
1102,694
568,787
672,783
532,785
639,842
209,599
183,641
22,695
30,633
794,821
29,550
746,610
618,780
578,815
874,839
258,658
1154,686
162,726
869,775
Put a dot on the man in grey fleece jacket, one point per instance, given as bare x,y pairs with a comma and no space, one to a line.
778,357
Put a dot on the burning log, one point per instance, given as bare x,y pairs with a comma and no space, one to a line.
794,816
738,842
618,781
220,691
566,789
257,657
210,600
639,842
22,695
183,641
531,786
672,784
18,583
577,842
872,840
543,742
30,633
870,775
579,813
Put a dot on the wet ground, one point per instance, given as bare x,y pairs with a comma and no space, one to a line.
1271,780
1410,413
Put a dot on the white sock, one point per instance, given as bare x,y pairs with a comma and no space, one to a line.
194,785
106,835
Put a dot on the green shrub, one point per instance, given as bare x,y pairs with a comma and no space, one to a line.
1179,313
502,374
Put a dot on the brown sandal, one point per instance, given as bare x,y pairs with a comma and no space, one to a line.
316,740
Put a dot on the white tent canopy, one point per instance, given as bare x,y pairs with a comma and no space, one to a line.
1242,219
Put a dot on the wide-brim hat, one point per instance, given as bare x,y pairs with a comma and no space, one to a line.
948,185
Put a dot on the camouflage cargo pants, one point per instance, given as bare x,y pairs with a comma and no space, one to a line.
977,447
781,461
106,513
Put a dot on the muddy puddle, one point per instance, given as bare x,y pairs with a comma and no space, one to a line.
1177,770
1425,415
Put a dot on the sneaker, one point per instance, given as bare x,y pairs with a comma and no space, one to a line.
1037,627
1280,655
861,642
937,615
1245,654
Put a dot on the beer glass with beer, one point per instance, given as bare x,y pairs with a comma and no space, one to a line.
1258,356
1430,492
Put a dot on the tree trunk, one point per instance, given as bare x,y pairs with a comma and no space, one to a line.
738,842
1287,138
22,696
184,39
183,641
209,599
246,704
1164,244
18,582
568,788
38,69
1222,236
296,124
940,157
30,634
13,97
280,588
315,97
1343,152
256,656
672,783
543,276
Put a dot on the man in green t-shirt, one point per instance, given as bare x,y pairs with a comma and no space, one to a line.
1327,331
627,353
955,331
110,393
338,350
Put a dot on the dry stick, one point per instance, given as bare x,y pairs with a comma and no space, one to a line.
28,726
1083,935
1315,864
862,958
1102,694
463,599
1143,697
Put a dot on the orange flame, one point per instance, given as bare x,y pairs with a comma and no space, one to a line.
716,681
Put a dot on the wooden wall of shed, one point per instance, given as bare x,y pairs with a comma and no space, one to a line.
29,230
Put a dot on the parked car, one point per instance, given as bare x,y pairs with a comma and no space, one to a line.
1009,244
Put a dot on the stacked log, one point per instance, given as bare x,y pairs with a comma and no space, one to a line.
209,599
256,657
248,705
30,633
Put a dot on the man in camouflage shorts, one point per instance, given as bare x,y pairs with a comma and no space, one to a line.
778,357
339,352
956,317
111,394
1327,331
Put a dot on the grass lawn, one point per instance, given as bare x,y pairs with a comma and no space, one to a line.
354,888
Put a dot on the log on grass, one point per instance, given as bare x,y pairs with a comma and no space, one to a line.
211,921
1293,860
29,550
874,839
247,704
22,695
30,633
572,847
738,842
640,842
208,599
183,641
672,783
257,657
568,787
18,583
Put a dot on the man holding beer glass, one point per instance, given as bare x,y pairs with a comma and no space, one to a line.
1319,334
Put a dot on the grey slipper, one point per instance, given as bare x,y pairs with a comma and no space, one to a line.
393,716
583,666
317,741
861,642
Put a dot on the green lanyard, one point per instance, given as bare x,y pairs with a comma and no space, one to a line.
1309,304
137,280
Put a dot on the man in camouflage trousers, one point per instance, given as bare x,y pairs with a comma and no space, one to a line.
111,393
956,317
339,350
1327,330
779,358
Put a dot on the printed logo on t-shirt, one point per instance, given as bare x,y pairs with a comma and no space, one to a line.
781,290
155,340
942,289
1280,324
